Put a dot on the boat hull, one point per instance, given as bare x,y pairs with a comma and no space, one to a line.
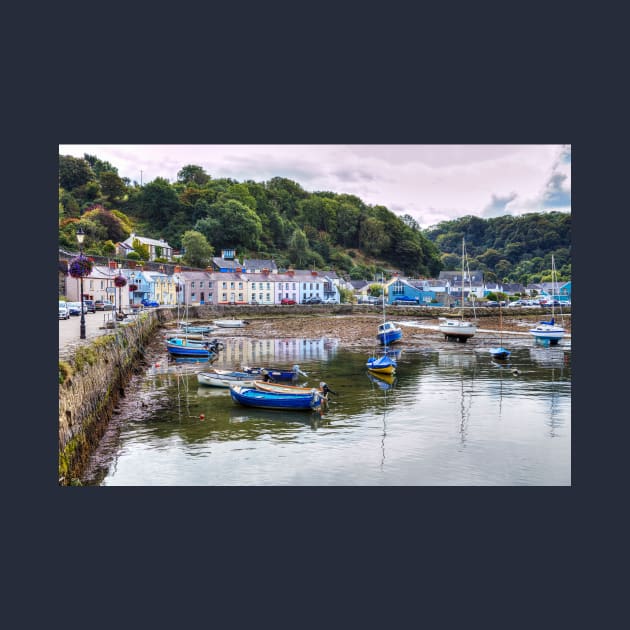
458,330
500,353
251,397
388,333
229,323
224,380
381,365
181,347
548,332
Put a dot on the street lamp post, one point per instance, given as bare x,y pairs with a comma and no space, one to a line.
80,237
132,287
120,281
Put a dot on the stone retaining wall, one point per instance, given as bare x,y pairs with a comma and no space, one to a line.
91,381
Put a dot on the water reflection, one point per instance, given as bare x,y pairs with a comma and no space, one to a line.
450,415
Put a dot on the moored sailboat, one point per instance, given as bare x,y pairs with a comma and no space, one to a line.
458,328
549,331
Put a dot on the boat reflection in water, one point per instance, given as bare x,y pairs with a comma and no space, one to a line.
384,381
253,415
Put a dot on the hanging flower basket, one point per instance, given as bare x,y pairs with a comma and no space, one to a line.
133,287
80,267
120,281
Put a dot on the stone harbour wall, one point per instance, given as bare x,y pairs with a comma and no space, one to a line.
91,381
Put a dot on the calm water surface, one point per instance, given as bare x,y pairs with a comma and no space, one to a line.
451,417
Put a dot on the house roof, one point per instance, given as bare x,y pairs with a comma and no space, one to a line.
226,263
255,263
195,275
146,241
476,277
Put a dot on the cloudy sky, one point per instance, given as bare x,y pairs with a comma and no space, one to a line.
432,183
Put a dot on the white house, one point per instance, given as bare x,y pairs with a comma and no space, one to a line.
157,248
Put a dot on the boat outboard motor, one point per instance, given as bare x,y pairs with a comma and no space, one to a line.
296,369
324,387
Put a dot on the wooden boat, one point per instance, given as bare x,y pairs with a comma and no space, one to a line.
230,323
252,397
275,374
455,328
289,389
389,333
224,378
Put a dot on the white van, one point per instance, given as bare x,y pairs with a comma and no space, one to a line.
64,311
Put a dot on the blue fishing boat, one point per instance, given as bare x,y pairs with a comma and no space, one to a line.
388,333
251,397
184,347
275,374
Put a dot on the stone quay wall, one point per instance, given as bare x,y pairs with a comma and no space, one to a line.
92,378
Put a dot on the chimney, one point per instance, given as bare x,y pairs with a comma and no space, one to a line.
265,271
112,264
313,273
291,272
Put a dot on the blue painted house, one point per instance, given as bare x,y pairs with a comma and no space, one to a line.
399,288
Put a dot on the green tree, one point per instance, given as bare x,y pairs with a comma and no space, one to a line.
112,186
74,172
197,251
231,224
298,248
141,249
193,174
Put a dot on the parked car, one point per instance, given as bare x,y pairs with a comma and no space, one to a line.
103,305
75,308
331,300
89,305
64,313
490,303
312,300
149,303
287,301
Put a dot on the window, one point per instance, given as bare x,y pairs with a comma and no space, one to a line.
240,286
268,286
268,298
201,284
224,296
240,297
231,285
253,286
192,285
224,285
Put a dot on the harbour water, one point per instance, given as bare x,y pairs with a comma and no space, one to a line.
452,416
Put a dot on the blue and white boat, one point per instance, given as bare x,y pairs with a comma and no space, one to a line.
275,374
549,331
252,397
224,378
388,333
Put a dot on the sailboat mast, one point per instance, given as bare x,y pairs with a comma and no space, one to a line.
463,250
